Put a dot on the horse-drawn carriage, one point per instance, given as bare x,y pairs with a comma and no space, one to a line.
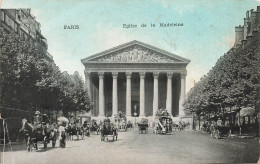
108,129
143,126
221,131
75,129
163,123
120,121
38,132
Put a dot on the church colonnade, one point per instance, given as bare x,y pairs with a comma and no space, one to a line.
128,106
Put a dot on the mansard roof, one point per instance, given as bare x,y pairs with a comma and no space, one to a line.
135,52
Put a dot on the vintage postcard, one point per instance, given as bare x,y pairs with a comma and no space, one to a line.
129,81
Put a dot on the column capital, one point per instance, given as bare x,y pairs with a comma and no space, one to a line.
128,75
87,73
156,75
101,75
114,75
142,75
169,75
183,73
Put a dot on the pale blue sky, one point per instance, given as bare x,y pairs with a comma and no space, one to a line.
208,30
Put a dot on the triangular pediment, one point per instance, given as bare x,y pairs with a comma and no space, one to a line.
135,52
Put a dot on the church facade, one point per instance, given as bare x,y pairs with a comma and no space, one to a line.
137,79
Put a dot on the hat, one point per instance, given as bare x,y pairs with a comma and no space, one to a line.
37,112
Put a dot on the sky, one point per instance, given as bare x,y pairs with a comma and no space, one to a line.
208,31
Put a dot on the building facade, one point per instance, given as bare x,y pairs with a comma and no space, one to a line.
137,79
23,24
251,25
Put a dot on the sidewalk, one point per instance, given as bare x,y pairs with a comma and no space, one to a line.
242,136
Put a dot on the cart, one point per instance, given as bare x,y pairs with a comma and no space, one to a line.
143,126
222,131
108,130
162,123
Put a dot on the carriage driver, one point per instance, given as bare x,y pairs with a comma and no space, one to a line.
37,119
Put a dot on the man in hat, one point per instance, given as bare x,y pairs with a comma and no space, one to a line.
37,119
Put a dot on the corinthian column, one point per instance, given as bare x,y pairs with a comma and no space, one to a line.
101,94
87,82
128,93
115,98
142,94
155,92
183,91
169,93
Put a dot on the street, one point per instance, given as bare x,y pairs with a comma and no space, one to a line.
132,147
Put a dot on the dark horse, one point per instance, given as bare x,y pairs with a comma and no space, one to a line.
33,134
94,127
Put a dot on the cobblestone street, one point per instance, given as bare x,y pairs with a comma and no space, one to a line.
132,147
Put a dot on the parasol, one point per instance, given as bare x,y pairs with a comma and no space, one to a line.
247,111
63,119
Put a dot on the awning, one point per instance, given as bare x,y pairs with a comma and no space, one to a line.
247,111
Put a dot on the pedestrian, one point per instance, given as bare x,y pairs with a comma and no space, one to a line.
62,135
212,130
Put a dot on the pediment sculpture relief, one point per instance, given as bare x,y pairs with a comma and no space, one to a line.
136,54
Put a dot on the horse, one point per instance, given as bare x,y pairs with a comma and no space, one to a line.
73,130
33,134
95,127
86,129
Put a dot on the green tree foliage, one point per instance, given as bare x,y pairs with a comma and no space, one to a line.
233,81
29,81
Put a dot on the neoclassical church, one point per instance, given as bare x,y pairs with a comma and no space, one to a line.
137,79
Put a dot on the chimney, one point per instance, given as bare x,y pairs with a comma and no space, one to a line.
239,34
247,14
258,9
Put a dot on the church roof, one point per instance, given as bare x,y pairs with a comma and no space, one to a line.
149,54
